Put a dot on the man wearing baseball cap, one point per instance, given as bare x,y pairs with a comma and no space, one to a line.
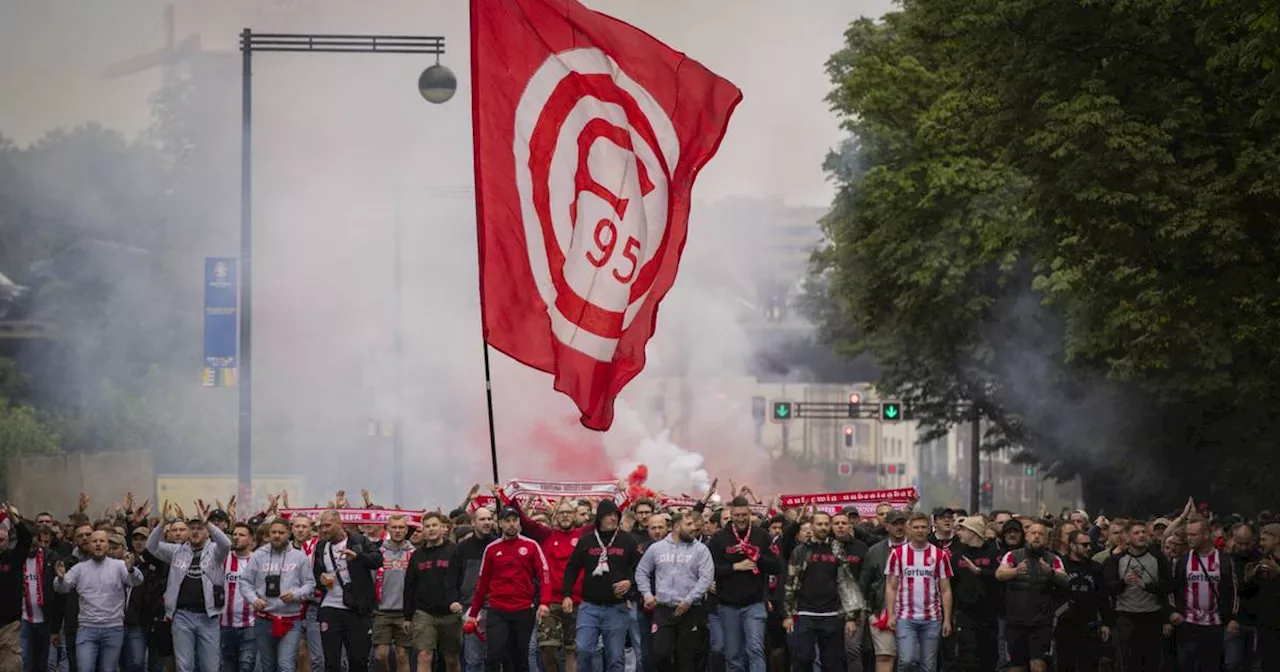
510,569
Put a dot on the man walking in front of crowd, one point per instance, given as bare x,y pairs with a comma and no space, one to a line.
277,580
820,607
977,595
917,595
883,641
102,585
606,557
464,571
343,567
743,564
1081,621
1032,576
432,613
513,577
196,591
674,575
1204,594
1140,582
389,592
239,651
557,633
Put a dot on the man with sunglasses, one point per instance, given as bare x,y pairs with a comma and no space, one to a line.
1081,624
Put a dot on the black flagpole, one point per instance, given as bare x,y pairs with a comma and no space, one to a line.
488,397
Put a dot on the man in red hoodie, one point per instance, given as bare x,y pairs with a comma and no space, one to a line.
509,570
558,631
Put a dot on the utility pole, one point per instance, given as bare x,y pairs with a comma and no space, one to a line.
975,467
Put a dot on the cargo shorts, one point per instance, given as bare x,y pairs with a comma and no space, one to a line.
558,629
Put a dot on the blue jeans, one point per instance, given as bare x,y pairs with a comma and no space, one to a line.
98,649
637,634
134,658
34,638
277,655
311,631
1238,651
239,651
744,637
610,622
196,642
473,650
918,643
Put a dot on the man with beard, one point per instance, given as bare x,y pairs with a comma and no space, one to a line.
844,529
974,559
659,527
743,564
196,591
1204,595
674,576
278,580
513,577
239,651
432,612
557,633
1031,576
1140,582
1076,637
464,569
102,584
343,567
822,603
41,606
607,557
883,642
12,562
1238,652
389,592
1260,595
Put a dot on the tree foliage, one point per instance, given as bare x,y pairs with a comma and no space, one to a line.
1066,213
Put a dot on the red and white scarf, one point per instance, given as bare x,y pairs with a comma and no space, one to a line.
239,611
530,491
358,516
745,547
865,501
377,581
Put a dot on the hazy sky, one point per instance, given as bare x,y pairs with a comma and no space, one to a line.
52,50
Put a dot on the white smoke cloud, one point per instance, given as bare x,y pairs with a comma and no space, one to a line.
672,469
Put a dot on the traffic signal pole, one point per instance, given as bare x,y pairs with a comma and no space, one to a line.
975,466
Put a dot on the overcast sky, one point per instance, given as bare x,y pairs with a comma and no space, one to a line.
51,52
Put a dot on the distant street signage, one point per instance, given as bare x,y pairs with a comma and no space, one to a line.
221,321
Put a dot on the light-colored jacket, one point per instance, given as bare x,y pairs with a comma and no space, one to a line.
675,572
294,568
213,567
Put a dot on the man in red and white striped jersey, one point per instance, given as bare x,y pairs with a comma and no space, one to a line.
1204,600
41,606
239,652
917,596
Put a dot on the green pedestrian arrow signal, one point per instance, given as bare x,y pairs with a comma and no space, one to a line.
891,411
783,411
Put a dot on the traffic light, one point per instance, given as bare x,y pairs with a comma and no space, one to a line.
848,436
988,499
855,400
893,469
890,411
1029,471
782,411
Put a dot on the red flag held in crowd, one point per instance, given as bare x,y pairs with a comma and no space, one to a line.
589,134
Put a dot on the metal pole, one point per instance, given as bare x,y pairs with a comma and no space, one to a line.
246,273
975,467
488,397
397,438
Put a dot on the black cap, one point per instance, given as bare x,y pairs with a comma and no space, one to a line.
851,511
508,512
944,512
219,515
896,516
1011,525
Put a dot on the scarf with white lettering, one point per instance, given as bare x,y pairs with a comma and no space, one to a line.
602,565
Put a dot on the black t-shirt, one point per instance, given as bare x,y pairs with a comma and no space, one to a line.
191,592
818,591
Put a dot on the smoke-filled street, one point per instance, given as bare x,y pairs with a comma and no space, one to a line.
608,336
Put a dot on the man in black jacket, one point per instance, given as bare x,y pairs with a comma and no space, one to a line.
1204,597
12,581
976,595
821,572
743,562
1032,579
432,612
344,564
607,557
464,570
1081,621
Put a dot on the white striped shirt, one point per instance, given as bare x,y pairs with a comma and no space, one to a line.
238,613
1204,574
919,572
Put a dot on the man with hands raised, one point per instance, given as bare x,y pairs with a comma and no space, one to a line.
196,592
276,581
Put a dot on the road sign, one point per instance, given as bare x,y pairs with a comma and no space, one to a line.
890,411
844,469
782,411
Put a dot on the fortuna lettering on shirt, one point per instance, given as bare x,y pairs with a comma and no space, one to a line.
1203,575
33,584
918,572
239,612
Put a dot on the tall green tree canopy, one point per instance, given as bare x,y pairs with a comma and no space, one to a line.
1067,213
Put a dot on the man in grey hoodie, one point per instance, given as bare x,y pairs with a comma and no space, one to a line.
674,575
277,581
196,591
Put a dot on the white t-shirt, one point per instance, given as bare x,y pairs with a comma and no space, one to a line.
332,554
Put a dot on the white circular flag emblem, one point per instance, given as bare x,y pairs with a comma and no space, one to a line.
594,152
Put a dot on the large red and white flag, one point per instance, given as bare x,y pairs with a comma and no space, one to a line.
588,136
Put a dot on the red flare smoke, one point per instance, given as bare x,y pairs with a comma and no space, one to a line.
635,483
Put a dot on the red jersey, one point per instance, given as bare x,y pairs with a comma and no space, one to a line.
508,570
557,546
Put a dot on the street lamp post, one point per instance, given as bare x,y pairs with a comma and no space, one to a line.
436,84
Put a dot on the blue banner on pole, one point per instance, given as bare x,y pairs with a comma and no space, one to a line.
221,321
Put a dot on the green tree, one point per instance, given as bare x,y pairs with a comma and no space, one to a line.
1065,212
